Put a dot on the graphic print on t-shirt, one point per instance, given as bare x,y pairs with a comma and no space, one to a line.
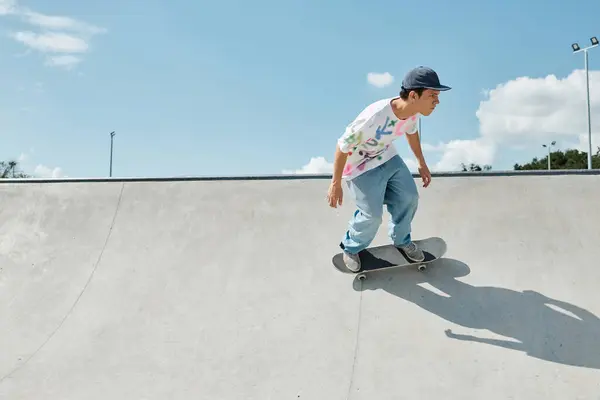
368,139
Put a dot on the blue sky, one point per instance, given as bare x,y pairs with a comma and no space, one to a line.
238,87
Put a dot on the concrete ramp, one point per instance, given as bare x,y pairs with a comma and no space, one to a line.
224,289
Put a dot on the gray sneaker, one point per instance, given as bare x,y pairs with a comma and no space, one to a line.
412,252
352,262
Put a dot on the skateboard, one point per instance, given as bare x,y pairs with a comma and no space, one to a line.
388,256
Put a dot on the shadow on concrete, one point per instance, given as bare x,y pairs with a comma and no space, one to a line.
543,327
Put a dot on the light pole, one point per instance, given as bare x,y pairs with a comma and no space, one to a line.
112,135
577,49
549,146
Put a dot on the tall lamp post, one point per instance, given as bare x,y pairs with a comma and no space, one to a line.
549,146
112,135
577,49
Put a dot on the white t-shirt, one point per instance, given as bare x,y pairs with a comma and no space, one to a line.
368,139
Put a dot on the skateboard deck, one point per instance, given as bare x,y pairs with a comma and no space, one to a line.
387,256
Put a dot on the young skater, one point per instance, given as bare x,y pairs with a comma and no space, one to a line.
367,160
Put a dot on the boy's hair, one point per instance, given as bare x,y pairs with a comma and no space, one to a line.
404,92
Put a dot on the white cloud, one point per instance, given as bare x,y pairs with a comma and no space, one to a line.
24,157
58,46
66,62
380,79
411,163
52,42
457,152
43,171
7,7
316,165
40,170
528,112
57,22
539,109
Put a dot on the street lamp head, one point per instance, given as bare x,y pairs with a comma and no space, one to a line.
594,41
575,47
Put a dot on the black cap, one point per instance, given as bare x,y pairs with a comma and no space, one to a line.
422,77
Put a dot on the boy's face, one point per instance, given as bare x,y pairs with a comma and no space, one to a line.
427,102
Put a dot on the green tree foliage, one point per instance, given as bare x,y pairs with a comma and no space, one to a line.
10,170
568,159
475,167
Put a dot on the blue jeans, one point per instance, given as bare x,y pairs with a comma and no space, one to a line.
391,184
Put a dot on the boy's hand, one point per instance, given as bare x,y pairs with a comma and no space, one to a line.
335,195
425,174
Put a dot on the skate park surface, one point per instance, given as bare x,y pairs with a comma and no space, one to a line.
224,289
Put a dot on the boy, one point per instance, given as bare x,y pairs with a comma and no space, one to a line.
376,175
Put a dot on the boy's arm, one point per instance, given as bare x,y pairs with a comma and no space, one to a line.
414,142
415,145
339,161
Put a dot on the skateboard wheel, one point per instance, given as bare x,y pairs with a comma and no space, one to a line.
422,267
362,277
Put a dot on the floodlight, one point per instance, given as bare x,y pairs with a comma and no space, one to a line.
577,49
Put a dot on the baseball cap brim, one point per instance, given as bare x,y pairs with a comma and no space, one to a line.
441,88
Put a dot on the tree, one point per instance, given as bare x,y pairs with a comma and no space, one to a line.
568,159
475,167
9,170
